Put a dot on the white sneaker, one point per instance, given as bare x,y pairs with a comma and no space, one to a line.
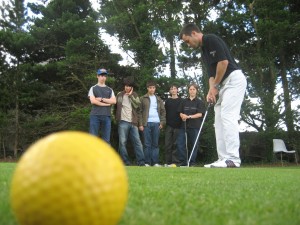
226,163
157,165
147,165
208,165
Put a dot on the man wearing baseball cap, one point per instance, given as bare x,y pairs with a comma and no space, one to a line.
102,98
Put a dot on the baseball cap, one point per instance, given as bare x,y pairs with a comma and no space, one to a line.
102,71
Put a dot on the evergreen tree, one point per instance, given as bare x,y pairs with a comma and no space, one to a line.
131,23
258,32
16,43
49,62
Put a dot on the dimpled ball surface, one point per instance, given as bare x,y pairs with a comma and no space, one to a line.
69,178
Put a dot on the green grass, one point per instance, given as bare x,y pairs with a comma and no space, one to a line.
179,196
6,171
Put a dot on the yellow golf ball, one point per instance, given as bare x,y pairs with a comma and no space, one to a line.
69,178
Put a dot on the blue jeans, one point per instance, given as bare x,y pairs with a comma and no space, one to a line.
151,138
182,151
126,130
102,122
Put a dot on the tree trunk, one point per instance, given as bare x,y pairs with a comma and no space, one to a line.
17,114
286,96
172,58
16,141
4,150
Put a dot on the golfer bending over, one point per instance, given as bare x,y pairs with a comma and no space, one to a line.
227,80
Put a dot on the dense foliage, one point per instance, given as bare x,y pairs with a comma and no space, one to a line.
50,51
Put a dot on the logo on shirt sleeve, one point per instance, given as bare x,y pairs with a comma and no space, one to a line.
213,53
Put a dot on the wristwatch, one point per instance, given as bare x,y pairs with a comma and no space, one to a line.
190,117
217,86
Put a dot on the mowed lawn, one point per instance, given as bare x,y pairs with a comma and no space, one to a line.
197,195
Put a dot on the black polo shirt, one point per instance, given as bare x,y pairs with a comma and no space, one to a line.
215,50
172,115
191,107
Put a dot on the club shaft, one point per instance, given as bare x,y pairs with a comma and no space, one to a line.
198,136
186,144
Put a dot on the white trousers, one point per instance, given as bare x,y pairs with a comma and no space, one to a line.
227,114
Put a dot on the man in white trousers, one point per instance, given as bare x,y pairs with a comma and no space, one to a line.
226,80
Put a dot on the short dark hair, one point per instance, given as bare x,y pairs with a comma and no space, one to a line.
174,85
151,83
129,81
187,29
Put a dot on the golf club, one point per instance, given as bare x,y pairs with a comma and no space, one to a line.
209,105
186,144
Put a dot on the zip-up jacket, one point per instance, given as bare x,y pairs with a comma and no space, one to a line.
135,105
145,105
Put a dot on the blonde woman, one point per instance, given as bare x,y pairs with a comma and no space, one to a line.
191,112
